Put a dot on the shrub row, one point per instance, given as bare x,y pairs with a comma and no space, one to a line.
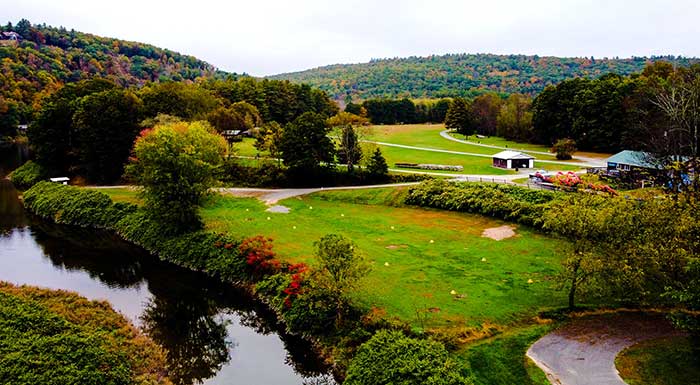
27,175
507,202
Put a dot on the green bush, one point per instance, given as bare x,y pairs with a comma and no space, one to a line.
27,175
507,202
75,206
390,357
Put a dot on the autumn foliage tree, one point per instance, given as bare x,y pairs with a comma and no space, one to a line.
175,164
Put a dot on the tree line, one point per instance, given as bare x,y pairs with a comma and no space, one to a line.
88,128
401,111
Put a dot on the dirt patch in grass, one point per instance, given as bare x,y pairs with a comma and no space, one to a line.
499,233
279,209
394,247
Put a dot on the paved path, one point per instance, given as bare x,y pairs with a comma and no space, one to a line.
583,352
474,154
592,162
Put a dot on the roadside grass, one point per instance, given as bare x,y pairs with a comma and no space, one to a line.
666,361
418,256
501,360
472,164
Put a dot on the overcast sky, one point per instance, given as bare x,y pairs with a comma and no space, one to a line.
265,37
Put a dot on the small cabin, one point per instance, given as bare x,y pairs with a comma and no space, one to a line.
513,160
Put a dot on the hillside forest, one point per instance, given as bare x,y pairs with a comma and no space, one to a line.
466,75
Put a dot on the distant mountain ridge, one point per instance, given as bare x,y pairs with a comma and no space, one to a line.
461,74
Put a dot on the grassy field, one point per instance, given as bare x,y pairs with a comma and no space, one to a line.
418,256
428,135
667,361
472,164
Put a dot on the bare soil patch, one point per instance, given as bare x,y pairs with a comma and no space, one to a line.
499,233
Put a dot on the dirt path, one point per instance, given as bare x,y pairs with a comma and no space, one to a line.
583,352
591,162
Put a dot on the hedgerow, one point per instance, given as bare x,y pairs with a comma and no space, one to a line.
27,175
507,202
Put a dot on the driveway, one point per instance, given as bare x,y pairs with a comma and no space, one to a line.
583,352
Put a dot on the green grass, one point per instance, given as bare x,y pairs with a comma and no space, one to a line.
121,194
428,135
472,164
501,360
422,136
420,273
246,147
667,361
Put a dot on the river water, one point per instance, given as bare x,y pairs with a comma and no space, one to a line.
212,333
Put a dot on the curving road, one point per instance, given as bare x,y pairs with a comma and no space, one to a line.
591,162
583,352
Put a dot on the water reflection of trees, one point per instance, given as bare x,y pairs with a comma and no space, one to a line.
192,335
185,314
11,210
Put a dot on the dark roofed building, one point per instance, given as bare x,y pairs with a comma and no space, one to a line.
631,161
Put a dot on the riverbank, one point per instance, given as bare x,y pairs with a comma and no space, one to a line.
215,254
59,337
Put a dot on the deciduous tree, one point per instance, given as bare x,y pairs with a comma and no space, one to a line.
176,164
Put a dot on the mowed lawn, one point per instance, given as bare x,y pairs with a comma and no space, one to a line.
471,164
418,256
428,135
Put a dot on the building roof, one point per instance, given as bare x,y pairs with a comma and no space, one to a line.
633,158
512,155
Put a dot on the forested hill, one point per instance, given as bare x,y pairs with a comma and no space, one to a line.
36,60
461,74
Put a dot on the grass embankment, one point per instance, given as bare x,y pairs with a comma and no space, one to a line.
58,337
667,361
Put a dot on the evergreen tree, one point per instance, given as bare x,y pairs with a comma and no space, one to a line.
458,117
377,167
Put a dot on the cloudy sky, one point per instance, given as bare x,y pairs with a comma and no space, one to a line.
264,37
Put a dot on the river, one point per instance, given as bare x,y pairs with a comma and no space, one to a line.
212,333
